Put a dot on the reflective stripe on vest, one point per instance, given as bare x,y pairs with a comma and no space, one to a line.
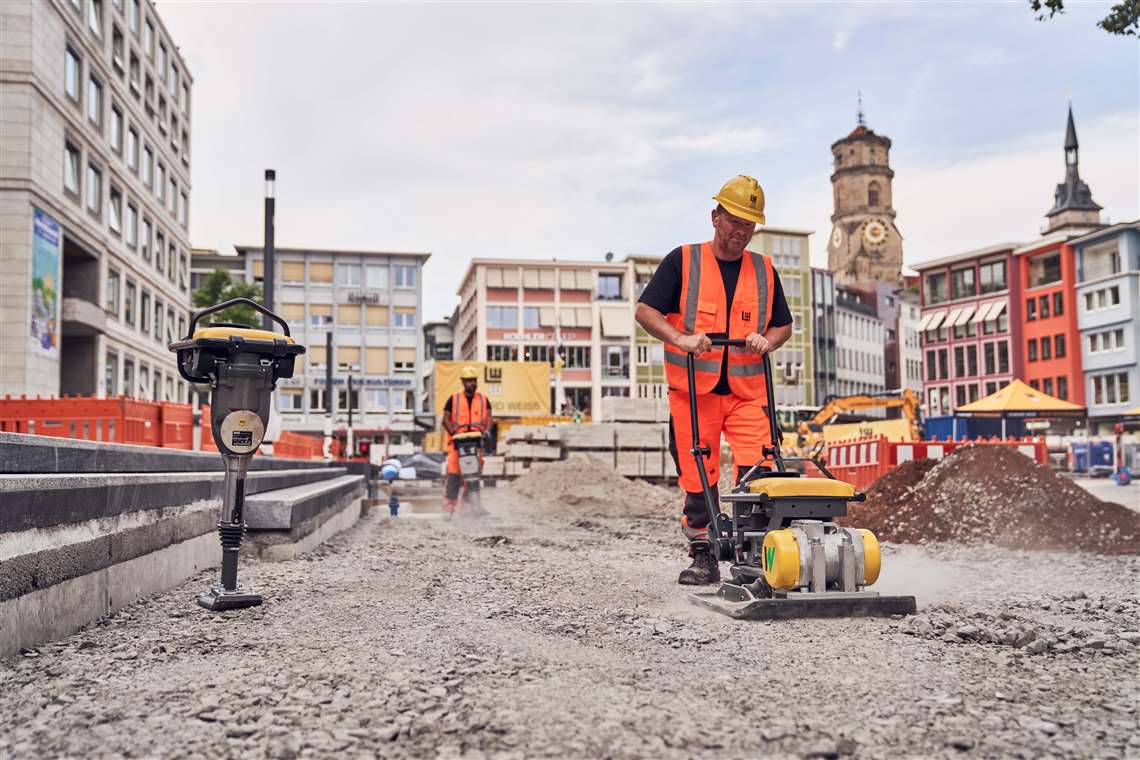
750,311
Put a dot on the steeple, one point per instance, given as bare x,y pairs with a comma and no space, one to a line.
1073,205
859,114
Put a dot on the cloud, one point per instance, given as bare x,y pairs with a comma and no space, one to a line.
839,41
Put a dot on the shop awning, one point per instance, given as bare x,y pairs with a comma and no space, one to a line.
935,320
616,322
1020,400
964,317
952,317
983,310
995,311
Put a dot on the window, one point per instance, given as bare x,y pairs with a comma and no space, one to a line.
147,165
183,210
158,312
132,152
1058,304
160,182
111,374
172,196
169,325
873,192
174,79
172,262
497,353
135,68
148,39
290,400
1063,387
617,362
95,102
1002,322
1047,386
129,377
71,75
1046,348
185,147
992,276
971,361
609,287
131,226
159,250
576,357
546,353
1030,309
404,316
144,313
347,357
931,368
185,102
320,315
960,395
129,296
1035,385
115,217
94,190
530,317
935,288
943,364
962,283
144,239
111,296
1044,269
1033,350
1059,346
1044,306
959,361
71,169
991,388
133,16
117,49
405,275
503,317
95,16
404,359
376,277
1003,357
987,360
348,275
161,64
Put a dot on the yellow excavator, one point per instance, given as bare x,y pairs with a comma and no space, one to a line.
811,433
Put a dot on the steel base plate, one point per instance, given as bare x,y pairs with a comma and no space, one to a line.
801,605
218,599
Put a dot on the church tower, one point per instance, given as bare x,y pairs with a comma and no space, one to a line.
865,245
1073,206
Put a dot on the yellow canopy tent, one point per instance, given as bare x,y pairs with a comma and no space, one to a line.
1132,412
1020,400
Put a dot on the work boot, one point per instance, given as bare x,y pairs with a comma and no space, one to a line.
704,570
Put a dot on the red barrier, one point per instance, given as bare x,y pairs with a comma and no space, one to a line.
177,425
861,462
112,420
292,445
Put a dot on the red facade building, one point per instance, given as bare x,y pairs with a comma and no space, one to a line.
970,331
1046,270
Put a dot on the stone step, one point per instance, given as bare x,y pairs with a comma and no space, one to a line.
286,508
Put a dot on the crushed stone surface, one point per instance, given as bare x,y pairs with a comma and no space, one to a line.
523,635
583,484
993,495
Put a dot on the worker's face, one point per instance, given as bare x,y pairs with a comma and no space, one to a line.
732,232
469,385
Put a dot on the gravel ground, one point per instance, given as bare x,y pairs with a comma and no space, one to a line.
567,637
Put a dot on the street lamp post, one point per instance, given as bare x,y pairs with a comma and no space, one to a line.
269,254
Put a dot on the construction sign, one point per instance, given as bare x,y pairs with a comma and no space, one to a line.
896,431
515,389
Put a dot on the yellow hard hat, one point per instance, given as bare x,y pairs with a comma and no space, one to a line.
468,373
742,196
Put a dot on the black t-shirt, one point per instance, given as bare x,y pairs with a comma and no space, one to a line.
447,405
664,294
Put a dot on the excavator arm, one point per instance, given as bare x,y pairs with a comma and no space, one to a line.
904,399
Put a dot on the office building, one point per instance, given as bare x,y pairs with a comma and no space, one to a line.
793,362
94,199
859,336
823,335
439,345
370,302
909,342
1108,316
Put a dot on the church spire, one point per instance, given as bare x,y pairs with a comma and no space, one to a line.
859,114
1071,131
1073,205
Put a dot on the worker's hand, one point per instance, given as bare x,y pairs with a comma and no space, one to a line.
694,344
757,344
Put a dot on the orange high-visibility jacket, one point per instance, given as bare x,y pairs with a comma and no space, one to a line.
468,413
702,309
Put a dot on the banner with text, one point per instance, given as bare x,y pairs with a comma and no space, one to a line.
516,389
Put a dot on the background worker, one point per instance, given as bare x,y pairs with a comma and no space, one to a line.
717,288
465,407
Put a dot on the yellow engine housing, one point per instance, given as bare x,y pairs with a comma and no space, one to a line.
786,564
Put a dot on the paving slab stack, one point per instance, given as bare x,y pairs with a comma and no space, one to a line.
87,528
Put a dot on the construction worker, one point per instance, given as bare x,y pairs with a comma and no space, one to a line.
467,407
717,288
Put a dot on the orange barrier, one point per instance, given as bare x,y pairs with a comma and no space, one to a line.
862,462
177,425
298,446
112,420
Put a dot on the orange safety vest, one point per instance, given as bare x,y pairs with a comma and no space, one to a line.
468,413
702,309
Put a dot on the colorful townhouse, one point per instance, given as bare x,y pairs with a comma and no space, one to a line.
1047,270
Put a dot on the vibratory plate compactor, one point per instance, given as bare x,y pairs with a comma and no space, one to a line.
789,559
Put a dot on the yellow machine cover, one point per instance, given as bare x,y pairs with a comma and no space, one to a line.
791,487
248,333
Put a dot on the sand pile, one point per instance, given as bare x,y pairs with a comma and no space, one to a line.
993,495
587,485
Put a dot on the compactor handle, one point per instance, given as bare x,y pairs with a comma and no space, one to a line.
236,302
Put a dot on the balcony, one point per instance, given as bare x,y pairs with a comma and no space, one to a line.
82,317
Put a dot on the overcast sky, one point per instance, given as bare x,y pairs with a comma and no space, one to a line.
571,130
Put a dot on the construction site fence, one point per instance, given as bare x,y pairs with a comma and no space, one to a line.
861,462
165,424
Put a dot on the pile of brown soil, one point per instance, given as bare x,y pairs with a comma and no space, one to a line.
993,495
587,485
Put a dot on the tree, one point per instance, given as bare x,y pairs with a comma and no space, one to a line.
219,287
1123,19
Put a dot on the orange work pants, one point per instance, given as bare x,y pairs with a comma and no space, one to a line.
744,422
